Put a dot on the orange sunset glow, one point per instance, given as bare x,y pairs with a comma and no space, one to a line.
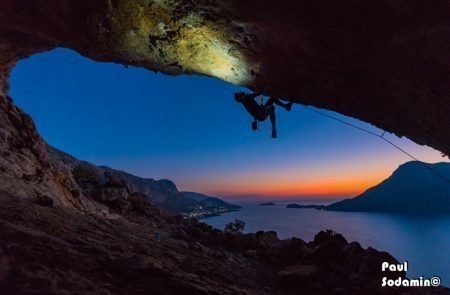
321,179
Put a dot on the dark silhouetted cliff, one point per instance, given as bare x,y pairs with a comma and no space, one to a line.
412,188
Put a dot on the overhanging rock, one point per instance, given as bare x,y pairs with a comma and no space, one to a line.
384,62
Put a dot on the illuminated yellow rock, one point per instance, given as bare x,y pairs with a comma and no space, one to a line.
146,32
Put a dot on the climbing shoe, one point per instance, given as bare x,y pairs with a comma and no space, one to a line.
254,125
274,133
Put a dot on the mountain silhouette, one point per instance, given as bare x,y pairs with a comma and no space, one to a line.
415,187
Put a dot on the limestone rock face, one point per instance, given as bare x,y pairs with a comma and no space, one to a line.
385,62
26,168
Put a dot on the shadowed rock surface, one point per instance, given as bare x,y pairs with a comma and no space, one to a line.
385,62
63,251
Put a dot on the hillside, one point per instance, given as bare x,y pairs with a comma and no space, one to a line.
97,181
412,188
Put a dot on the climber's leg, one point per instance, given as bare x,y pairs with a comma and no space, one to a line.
287,106
273,122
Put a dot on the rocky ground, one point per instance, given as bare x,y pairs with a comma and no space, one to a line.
49,250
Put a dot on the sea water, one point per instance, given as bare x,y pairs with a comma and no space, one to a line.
423,241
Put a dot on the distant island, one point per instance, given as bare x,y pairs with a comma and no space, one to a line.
412,188
297,206
267,204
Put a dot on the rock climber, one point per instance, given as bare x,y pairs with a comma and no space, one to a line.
261,112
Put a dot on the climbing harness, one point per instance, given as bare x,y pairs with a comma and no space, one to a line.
255,123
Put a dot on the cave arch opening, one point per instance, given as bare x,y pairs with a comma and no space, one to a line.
189,129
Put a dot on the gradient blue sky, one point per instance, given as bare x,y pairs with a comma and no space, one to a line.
190,130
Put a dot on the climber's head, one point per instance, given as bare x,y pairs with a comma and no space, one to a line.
239,96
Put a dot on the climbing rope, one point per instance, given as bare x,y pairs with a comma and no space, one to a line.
383,138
